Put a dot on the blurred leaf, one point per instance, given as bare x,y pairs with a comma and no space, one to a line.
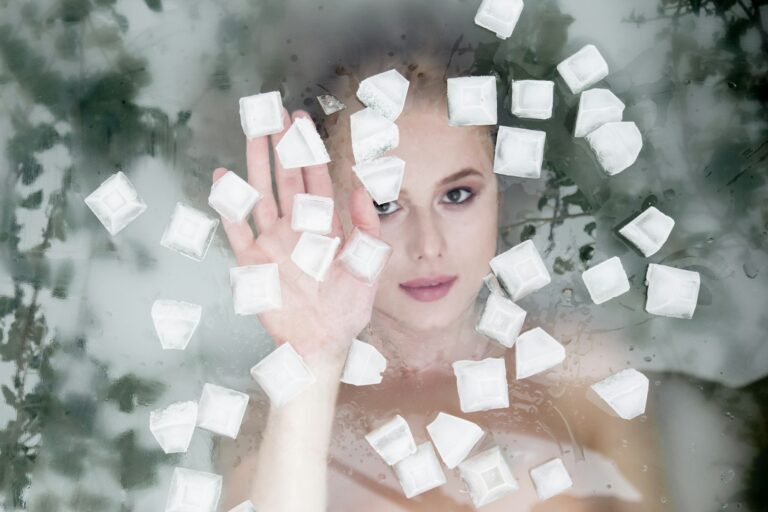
578,199
130,390
562,266
155,5
590,228
528,231
543,200
32,201
10,396
586,252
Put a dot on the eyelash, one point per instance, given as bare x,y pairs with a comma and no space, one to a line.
469,191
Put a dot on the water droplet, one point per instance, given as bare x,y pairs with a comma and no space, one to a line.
663,499
727,475
647,359
750,269
644,468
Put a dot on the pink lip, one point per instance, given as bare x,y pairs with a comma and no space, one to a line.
429,288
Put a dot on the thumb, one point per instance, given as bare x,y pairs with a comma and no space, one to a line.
362,212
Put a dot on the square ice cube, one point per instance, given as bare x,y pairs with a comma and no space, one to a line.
255,288
453,437
175,322
221,410
116,203
648,231
385,93
190,232
283,374
372,135
420,472
364,364
261,114
314,253
597,107
616,145
533,99
393,441
232,197
487,476
519,152
606,280
520,270
193,491
330,104
583,69
364,256
482,385
312,213
173,426
536,351
672,291
246,506
501,320
472,100
499,16
550,478
301,146
382,178
623,394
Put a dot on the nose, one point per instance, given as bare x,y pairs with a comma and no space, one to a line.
426,237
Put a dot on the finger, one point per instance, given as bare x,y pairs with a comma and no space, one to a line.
239,234
260,178
362,212
289,181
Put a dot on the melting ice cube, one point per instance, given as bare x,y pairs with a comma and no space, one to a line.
116,203
190,232
520,270
420,472
372,135
382,178
385,93
221,410
282,374
393,441
532,99
584,68
255,288
519,152
597,107
193,491
330,104
623,394
501,320
312,213
550,478
487,476
671,291
648,231
472,100
499,16
301,146
261,114
364,364
482,384
314,253
364,256
232,197
453,437
175,322
173,426
606,280
616,145
246,506
536,352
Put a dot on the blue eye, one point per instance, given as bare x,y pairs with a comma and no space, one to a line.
386,208
455,195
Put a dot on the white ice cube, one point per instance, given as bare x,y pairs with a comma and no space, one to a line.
648,231
301,146
623,394
597,107
365,256
453,437
190,232
372,135
364,364
550,478
487,476
221,410
616,145
173,426
472,100
671,291
482,385
330,104
261,114
312,213
533,99
499,16
382,178
232,197
584,68
536,351
314,253
520,270
606,280
385,93
116,203
420,472
519,152
193,491
393,441
501,320
175,322
255,288
246,506
282,374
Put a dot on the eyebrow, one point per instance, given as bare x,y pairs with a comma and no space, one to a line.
458,175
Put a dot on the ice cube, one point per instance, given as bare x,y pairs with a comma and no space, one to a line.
671,291
175,322
330,104
597,107
482,384
246,506
190,232
420,472
193,491
487,476
520,270
623,394
501,320
364,364
532,99
312,213
648,231
221,410
173,426
232,197
364,256
301,146
606,280
261,114
472,100
283,374
536,352
584,68
314,253
255,288
385,93
550,478
115,203
519,152
382,178
499,16
616,145
453,437
372,135
393,441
